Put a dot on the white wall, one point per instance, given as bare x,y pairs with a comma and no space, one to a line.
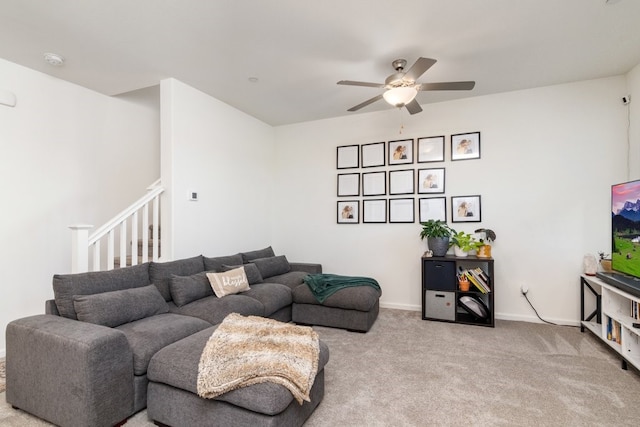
227,157
68,156
633,88
549,156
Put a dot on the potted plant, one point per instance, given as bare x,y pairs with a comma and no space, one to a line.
605,262
463,243
437,234
489,236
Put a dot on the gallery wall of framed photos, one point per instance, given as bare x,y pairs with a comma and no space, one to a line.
390,181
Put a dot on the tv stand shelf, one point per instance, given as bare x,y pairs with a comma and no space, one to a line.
615,313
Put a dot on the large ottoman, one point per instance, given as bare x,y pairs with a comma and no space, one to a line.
354,308
172,393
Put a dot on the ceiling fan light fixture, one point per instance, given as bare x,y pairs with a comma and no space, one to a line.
400,96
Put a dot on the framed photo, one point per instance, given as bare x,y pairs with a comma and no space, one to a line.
372,154
401,210
401,152
348,212
431,180
465,146
348,157
433,208
431,149
401,182
374,183
465,209
374,211
348,184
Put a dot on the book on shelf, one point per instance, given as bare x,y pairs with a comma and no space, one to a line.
614,331
481,277
475,282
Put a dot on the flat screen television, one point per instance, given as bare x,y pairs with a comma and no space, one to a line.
625,237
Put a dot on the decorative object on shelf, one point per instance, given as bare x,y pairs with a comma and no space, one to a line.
465,146
428,253
463,284
463,243
465,209
605,262
590,265
484,251
437,233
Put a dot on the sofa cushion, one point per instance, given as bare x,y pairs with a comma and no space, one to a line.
292,279
177,365
118,307
160,272
148,335
216,263
273,296
66,286
251,270
185,289
272,266
214,309
229,282
260,253
361,298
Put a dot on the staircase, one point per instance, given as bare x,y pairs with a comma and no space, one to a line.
100,247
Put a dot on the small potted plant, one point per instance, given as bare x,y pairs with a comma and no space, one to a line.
484,251
463,243
437,233
605,261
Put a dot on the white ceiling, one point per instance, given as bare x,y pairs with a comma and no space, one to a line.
299,49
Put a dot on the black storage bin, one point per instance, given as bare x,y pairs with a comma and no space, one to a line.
440,275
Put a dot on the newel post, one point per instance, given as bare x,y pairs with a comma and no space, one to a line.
80,247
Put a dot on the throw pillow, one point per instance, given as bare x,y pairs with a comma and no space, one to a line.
230,282
119,307
186,289
260,253
216,263
251,270
272,266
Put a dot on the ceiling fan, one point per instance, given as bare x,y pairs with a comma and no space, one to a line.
401,87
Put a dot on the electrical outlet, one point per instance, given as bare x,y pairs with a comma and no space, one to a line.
524,289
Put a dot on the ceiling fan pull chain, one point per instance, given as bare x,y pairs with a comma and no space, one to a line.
401,121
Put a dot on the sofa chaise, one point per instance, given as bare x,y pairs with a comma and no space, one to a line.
85,361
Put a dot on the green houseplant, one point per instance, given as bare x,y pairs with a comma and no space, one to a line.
437,234
463,243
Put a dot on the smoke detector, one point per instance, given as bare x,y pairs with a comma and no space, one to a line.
54,59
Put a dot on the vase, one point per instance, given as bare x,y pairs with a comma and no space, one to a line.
606,265
438,245
459,252
484,251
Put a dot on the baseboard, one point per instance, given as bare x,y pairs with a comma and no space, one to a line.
534,319
3,353
407,307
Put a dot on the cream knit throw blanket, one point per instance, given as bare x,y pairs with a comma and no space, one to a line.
251,350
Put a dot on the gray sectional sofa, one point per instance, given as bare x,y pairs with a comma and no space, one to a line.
85,362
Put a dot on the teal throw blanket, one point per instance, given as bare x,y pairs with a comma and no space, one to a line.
324,285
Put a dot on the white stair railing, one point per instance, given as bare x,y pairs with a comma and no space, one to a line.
132,221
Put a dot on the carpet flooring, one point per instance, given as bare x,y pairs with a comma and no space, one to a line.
410,372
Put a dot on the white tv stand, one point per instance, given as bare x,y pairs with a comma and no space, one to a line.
615,313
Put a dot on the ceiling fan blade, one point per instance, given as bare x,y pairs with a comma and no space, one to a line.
352,83
448,86
365,103
413,107
418,68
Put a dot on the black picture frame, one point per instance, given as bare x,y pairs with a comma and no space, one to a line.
372,155
466,209
374,183
465,146
348,157
432,208
431,181
430,149
374,211
402,182
400,152
348,211
348,184
402,210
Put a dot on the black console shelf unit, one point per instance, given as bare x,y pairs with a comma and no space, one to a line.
440,292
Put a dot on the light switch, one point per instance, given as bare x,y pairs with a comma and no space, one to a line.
193,196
